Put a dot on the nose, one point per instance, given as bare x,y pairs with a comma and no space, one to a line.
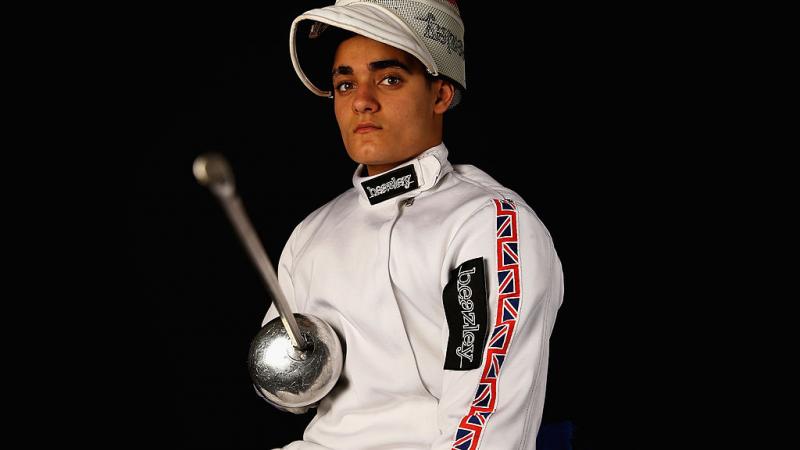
365,100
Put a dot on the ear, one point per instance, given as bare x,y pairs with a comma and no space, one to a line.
445,91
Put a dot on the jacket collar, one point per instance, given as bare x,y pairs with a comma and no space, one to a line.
406,180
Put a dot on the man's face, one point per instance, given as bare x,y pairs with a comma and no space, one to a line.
384,105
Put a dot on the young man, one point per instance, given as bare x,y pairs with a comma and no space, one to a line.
442,285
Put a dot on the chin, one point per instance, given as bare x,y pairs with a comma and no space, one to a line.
366,153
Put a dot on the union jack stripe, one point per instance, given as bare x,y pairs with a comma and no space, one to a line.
468,435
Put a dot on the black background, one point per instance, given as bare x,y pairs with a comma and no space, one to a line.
565,107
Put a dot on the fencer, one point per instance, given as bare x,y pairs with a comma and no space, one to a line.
442,284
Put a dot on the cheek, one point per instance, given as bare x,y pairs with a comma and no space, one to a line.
414,112
339,111
337,106
403,110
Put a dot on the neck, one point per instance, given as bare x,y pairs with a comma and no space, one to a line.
380,168
375,169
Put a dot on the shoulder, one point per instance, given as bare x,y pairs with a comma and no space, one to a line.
313,221
490,201
343,201
473,185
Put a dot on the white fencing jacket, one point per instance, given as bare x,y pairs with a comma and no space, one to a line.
443,286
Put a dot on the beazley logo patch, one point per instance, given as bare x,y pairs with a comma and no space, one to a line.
394,183
465,307
391,184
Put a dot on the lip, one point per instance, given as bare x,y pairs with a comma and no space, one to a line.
366,127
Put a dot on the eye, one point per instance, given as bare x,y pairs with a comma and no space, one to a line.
391,80
344,86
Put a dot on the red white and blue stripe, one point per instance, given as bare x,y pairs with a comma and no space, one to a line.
468,435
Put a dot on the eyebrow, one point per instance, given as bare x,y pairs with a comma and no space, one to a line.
373,66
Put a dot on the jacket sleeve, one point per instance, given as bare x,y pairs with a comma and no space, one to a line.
499,403
284,272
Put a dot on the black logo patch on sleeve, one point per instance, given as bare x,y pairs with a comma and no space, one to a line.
466,310
391,184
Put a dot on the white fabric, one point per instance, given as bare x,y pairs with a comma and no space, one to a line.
375,273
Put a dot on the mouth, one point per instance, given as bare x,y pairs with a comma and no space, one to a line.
366,128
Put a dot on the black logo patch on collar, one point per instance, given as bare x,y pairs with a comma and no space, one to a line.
466,310
391,184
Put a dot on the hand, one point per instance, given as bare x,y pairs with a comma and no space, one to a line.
294,410
297,410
